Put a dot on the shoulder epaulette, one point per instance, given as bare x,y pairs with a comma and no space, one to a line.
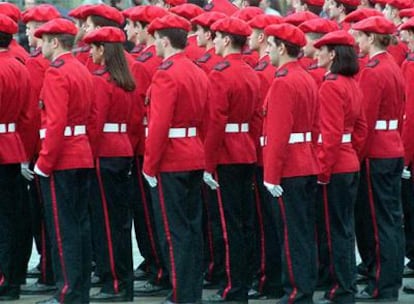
373,63
35,53
208,7
144,56
166,65
313,66
261,66
331,76
221,66
204,58
361,55
282,73
99,72
410,57
57,63
137,49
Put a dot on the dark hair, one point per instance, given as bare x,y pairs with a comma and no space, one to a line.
142,23
348,8
312,8
207,29
5,39
254,3
315,36
101,21
177,37
381,40
117,65
345,61
199,3
293,50
66,41
237,41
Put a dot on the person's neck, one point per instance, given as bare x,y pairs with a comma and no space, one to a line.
231,51
375,51
209,45
59,53
285,60
262,51
171,52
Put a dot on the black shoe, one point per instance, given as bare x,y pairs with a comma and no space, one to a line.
110,297
254,294
408,272
140,275
34,272
37,288
10,293
325,301
364,296
48,301
150,289
408,289
216,298
210,285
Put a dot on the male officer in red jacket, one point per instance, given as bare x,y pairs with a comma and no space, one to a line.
65,160
174,157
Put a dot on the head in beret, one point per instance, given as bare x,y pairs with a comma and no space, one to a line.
203,22
407,31
7,25
170,33
393,8
231,35
313,6
338,9
284,42
187,10
101,15
248,13
10,10
258,39
299,17
406,14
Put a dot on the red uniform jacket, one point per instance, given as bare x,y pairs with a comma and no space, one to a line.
82,52
14,89
383,90
234,98
193,51
138,48
177,99
291,107
266,72
113,107
18,51
316,72
36,65
408,129
66,100
250,57
209,60
398,51
341,115
149,60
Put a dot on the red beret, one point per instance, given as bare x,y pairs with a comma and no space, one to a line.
169,21
354,3
408,12
187,10
208,18
315,2
222,6
10,10
104,11
105,34
56,26
40,13
7,25
233,26
127,12
261,21
175,2
334,38
409,24
147,13
319,25
287,32
376,24
248,13
362,14
400,4
299,17
78,11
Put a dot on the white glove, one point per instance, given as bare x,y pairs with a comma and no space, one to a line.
26,172
210,181
152,180
275,190
39,172
406,174
321,183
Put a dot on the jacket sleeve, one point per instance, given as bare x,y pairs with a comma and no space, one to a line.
408,130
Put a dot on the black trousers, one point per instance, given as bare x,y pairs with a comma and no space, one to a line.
267,251
237,213
383,180
117,267
65,197
178,216
407,194
338,236
145,228
296,228
13,222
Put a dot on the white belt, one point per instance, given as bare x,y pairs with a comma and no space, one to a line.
69,131
237,127
145,121
346,138
115,128
263,141
8,128
179,132
296,138
386,124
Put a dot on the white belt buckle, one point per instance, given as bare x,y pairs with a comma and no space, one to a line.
263,141
11,127
393,124
42,133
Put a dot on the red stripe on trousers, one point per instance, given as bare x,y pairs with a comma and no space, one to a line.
58,238
209,233
169,240
42,231
107,227
225,239
329,239
292,296
148,220
375,228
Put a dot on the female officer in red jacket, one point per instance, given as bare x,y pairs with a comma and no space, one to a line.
343,129
114,89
